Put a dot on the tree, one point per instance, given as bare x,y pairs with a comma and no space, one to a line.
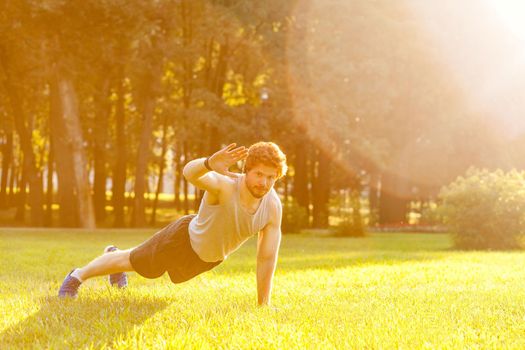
13,68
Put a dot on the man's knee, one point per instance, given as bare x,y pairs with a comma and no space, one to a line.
121,259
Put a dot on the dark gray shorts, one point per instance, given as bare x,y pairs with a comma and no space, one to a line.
170,250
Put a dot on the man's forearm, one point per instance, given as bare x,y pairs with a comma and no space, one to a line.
194,169
265,272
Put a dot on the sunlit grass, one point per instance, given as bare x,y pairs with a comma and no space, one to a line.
384,291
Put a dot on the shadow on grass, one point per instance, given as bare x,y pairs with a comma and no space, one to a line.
76,323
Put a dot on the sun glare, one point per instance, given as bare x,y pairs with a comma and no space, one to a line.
512,14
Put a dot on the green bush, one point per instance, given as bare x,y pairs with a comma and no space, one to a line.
295,217
350,225
485,210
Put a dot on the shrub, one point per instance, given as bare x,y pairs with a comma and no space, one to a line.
295,217
485,210
350,225
346,215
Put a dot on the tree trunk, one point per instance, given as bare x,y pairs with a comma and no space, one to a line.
373,197
300,179
185,182
198,193
33,176
162,163
70,118
321,191
48,220
21,196
187,37
356,210
100,139
139,215
7,159
393,203
119,172
216,85
300,190
68,215
177,176
12,198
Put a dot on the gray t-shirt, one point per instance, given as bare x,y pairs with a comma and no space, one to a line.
218,230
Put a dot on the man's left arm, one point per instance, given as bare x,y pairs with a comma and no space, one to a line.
267,251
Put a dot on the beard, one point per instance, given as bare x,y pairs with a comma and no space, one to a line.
257,192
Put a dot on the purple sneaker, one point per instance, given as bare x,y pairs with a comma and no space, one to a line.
119,279
69,287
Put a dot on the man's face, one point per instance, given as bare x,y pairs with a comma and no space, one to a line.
260,179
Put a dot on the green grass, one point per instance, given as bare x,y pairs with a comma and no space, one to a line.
384,291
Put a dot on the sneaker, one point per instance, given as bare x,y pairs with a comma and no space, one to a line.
69,287
117,279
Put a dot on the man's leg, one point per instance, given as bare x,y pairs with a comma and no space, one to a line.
106,264
113,263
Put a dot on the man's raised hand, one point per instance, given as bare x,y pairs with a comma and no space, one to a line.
222,160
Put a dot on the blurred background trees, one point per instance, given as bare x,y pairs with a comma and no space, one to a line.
103,102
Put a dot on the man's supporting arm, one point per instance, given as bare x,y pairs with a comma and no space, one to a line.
267,251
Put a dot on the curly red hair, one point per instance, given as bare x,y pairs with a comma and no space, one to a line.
267,153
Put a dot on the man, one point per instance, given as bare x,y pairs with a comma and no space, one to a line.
234,207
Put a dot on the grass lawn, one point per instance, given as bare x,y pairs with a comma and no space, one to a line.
385,291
